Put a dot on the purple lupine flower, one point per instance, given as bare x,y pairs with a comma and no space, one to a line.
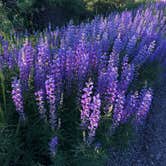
55,71
53,146
50,91
118,112
118,45
86,103
141,57
44,51
26,59
144,53
107,85
112,84
28,52
17,98
127,74
144,105
40,103
131,105
82,60
94,116
131,45
42,63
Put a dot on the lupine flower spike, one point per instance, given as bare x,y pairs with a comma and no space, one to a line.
17,98
53,146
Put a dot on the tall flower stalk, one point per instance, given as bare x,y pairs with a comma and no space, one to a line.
41,104
144,105
50,91
90,113
53,146
17,98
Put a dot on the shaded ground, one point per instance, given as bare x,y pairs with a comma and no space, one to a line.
149,147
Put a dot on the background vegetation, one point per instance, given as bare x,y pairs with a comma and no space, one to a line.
35,14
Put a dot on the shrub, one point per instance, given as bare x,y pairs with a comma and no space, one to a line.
5,24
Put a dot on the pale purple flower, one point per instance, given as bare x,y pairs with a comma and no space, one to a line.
18,98
86,103
41,103
94,116
127,74
50,91
118,112
144,105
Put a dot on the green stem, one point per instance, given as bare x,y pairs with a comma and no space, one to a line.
18,127
84,135
3,89
2,114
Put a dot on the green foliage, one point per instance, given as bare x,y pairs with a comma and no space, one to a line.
90,156
27,14
5,24
2,88
24,5
150,71
99,6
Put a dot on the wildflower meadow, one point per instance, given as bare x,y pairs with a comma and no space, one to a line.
68,94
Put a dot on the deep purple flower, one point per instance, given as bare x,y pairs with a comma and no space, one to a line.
118,45
144,53
131,106
53,146
127,74
82,60
131,45
107,84
42,63
111,92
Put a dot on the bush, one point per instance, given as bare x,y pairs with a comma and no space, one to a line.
34,14
5,25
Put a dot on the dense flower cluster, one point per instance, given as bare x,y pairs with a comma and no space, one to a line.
108,51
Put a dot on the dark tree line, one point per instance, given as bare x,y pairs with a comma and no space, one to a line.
37,14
